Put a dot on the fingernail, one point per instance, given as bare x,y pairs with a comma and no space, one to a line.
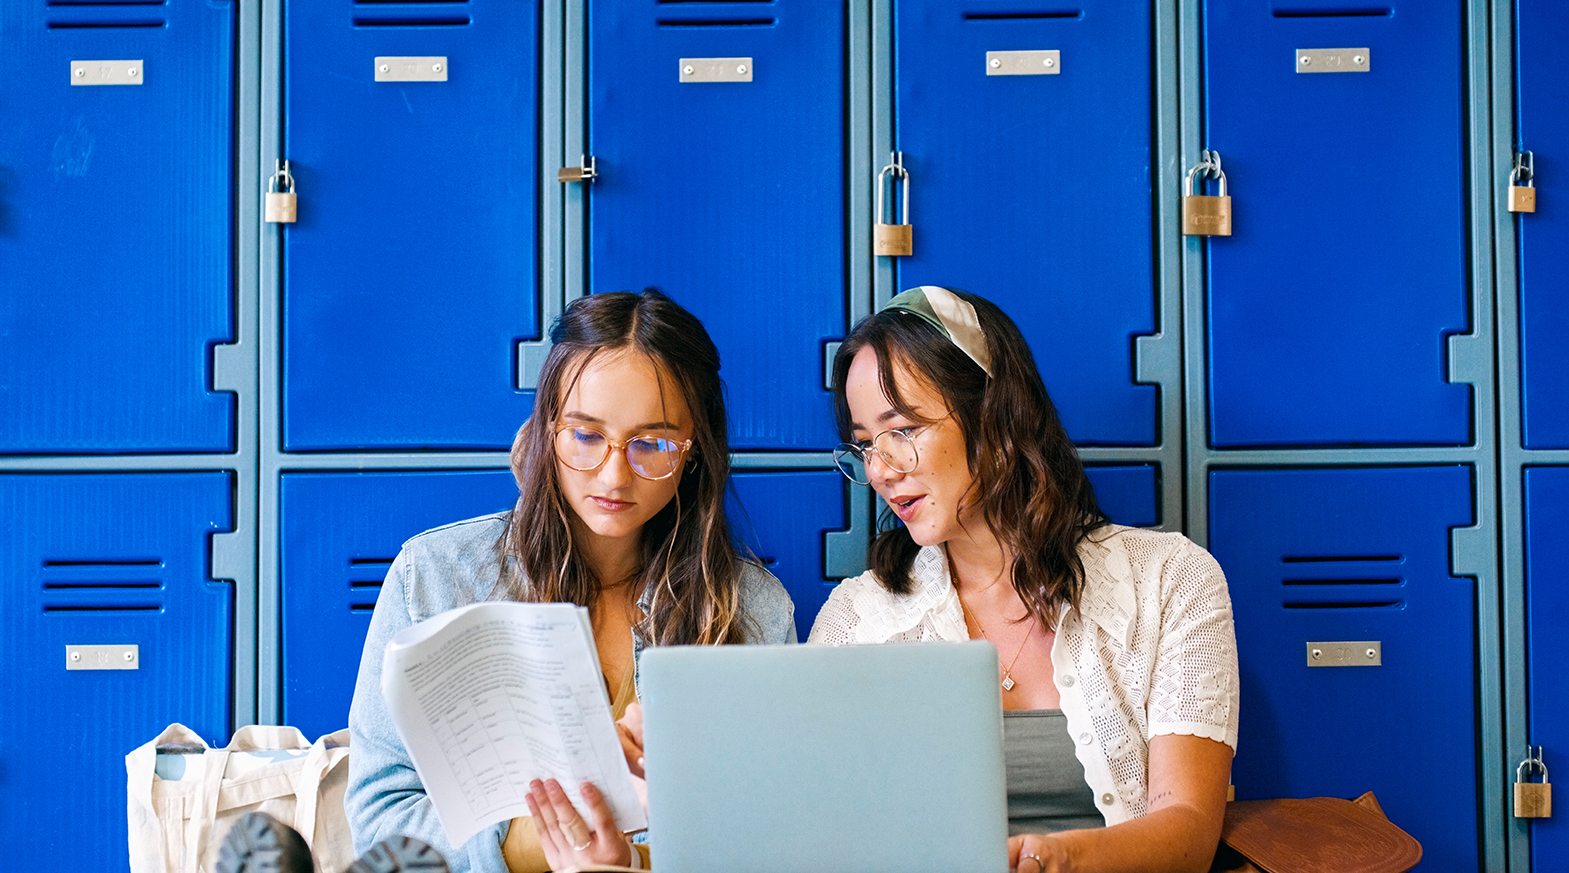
640,762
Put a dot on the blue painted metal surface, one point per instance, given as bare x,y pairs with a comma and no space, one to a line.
782,518
340,532
411,274
1035,191
103,559
1542,83
1330,303
1351,555
116,229
1547,602
1128,494
729,196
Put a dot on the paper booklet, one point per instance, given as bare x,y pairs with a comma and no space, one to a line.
490,696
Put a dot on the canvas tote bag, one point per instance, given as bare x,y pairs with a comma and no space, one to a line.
176,825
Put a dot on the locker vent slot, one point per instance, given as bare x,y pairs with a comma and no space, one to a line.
365,578
99,14
407,13
714,22
1344,12
1343,581
1336,559
133,562
102,585
1346,604
1022,16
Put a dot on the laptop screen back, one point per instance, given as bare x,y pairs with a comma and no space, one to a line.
788,759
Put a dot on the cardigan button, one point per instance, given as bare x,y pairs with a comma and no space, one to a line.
1106,799
1067,681
1084,738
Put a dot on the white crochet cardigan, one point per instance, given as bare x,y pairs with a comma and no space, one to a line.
1150,650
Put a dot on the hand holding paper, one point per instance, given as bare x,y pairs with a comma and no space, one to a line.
492,696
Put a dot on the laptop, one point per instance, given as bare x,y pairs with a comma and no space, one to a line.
817,759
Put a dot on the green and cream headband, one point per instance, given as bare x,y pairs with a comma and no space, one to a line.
953,317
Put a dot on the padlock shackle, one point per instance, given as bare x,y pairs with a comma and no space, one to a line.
280,176
897,168
1531,763
1210,170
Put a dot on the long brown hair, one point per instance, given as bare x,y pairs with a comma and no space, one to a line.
689,559
1028,481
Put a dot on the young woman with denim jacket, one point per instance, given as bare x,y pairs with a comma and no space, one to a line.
622,470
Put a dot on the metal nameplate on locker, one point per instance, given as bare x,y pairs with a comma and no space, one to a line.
107,72
411,69
1047,62
701,70
1364,653
1346,60
126,657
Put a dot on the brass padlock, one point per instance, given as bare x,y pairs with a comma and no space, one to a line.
1203,215
893,240
281,205
1533,799
1522,198
583,172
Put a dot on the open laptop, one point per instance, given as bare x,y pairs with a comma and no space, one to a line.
816,759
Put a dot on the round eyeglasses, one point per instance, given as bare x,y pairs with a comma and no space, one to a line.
586,449
896,448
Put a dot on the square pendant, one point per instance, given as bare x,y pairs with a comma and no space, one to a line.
1007,682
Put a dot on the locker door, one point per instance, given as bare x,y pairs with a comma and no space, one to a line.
782,517
1330,303
116,226
1034,190
729,195
1547,659
340,532
1338,560
111,560
1543,127
410,276
1128,494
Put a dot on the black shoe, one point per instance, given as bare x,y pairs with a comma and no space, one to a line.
396,854
259,843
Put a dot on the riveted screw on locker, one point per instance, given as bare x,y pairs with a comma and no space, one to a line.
893,240
1203,215
1522,197
281,205
1533,799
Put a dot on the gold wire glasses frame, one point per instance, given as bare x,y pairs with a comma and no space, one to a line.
586,449
895,447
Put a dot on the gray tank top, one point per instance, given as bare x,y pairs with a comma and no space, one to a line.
1046,788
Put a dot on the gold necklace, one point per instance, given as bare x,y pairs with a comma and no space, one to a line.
1007,677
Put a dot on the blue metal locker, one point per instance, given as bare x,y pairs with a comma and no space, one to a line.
1329,306
1342,559
782,517
110,560
411,275
1547,659
1542,83
729,194
116,226
1035,190
339,534
1128,494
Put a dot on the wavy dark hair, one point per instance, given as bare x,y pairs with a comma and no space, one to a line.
689,558
1028,481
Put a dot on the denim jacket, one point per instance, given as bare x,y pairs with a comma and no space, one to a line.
443,569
